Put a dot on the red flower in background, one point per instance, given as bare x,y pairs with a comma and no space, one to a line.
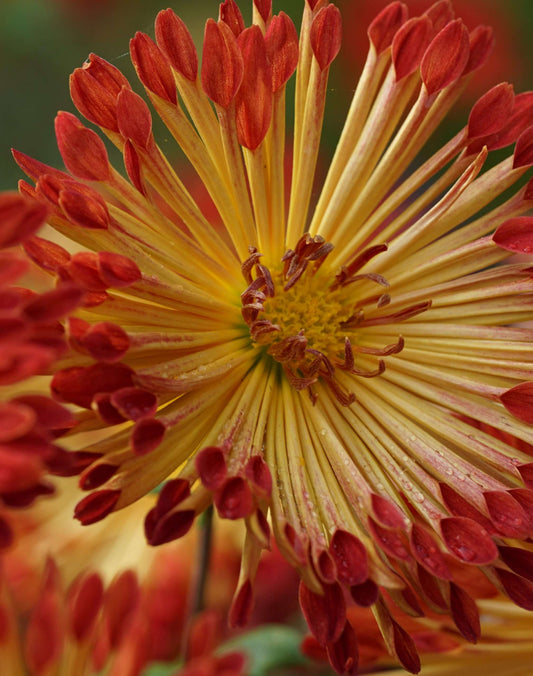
31,339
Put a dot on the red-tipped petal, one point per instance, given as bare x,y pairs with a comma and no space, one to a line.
116,270
84,207
343,654
33,168
491,112
325,614
54,304
152,67
350,558
82,150
507,514
458,506
172,493
222,63
96,506
469,541
386,512
78,385
526,472
175,41
365,594
50,415
11,268
121,598
523,152
96,476
15,420
94,88
409,45
211,467
481,45
520,561
134,118
389,540
516,235
519,401
519,590
405,649
20,218
282,49
47,255
234,499
446,57
440,13
253,102
85,598
134,402
83,269
385,26
147,434
231,15
241,605
264,7
258,474
45,630
326,35
106,342
171,527
431,587
102,405
465,613
427,553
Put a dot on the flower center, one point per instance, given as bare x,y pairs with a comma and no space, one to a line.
308,310
308,321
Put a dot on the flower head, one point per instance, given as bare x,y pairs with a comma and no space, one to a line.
341,369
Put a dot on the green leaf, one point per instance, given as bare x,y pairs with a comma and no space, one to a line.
268,647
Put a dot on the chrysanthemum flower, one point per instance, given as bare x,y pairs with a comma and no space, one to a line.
31,339
341,367
80,605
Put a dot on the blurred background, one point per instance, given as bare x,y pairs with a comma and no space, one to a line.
42,41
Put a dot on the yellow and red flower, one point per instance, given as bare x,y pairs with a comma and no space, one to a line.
319,366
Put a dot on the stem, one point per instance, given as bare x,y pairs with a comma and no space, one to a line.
204,557
197,598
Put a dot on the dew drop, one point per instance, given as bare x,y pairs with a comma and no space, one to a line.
465,553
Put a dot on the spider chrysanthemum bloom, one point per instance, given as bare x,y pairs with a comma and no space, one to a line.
341,370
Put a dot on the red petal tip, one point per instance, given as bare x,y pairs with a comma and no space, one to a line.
222,63
326,35
384,27
96,506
